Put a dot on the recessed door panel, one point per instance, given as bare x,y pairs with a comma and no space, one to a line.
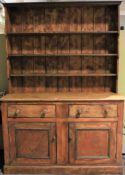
32,143
92,143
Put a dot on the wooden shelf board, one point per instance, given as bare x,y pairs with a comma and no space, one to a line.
61,55
64,75
61,32
63,96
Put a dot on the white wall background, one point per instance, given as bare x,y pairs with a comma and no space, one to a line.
122,14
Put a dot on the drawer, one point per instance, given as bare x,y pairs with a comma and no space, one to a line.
93,110
31,110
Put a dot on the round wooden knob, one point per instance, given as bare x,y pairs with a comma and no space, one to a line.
43,113
78,112
14,114
53,139
105,113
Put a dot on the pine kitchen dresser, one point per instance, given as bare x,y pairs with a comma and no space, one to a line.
63,113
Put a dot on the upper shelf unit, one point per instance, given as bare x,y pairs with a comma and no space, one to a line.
62,47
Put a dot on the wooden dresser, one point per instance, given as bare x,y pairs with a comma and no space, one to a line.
63,113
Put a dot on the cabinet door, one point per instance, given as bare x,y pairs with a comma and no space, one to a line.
32,143
92,143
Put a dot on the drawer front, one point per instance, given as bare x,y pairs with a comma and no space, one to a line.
94,110
31,111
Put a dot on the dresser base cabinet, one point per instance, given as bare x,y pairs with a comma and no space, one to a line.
68,136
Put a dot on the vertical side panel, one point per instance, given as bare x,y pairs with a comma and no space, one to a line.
119,131
8,25
62,135
5,132
62,144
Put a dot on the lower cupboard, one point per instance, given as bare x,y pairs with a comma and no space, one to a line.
37,143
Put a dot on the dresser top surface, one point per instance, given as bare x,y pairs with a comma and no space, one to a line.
68,96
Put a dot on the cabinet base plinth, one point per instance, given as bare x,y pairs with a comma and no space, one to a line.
84,170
